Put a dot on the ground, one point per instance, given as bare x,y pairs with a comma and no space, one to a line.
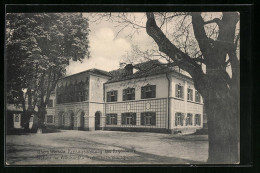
105,147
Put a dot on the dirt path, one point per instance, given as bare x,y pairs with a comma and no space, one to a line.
105,147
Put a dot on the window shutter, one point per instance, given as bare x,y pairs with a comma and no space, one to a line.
115,95
176,90
116,119
191,94
191,121
142,118
199,119
108,97
124,94
133,94
123,119
176,114
142,93
134,118
107,119
153,118
153,91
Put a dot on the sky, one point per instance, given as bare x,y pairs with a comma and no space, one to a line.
107,48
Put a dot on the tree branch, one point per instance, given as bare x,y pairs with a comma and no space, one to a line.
184,61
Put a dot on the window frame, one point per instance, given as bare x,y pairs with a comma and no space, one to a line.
151,117
128,94
128,115
179,91
109,118
189,94
197,120
197,97
180,117
48,118
109,96
189,121
147,94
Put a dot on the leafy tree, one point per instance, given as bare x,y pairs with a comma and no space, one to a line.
39,46
206,46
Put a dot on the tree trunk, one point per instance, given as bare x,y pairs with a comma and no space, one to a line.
41,116
223,127
26,120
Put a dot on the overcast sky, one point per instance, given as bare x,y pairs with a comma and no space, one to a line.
107,49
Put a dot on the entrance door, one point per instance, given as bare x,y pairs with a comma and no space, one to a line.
97,121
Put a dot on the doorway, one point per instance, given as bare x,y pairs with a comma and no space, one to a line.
97,120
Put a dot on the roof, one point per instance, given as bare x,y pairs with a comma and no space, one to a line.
93,70
145,69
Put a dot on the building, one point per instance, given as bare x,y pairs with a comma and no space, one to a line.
145,97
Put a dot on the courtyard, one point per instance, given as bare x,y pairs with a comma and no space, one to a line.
105,147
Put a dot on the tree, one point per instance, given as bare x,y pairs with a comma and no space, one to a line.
205,46
38,49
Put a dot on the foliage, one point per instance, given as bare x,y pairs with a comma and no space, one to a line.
39,46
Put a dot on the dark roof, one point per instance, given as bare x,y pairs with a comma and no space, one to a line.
93,70
145,69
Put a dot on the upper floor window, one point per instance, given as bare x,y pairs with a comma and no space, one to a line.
112,96
190,94
197,119
189,119
128,119
111,119
148,118
197,96
179,91
148,91
50,103
129,94
179,117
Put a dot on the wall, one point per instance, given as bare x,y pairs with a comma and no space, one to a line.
160,81
96,88
149,105
183,105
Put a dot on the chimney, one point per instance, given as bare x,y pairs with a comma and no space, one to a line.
129,69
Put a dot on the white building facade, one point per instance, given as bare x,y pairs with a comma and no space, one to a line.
156,100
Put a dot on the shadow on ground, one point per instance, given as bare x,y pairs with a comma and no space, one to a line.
31,131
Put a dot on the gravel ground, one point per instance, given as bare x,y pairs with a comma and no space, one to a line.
105,147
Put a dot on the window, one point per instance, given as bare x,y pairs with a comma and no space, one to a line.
148,118
112,96
189,120
128,119
197,96
50,104
129,94
111,119
197,119
179,91
148,91
190,94
16,117
49,118
179,119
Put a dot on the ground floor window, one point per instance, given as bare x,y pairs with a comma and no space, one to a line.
179,117
111,119
128,119
148,118
17,118
197,119
189,119
49,118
